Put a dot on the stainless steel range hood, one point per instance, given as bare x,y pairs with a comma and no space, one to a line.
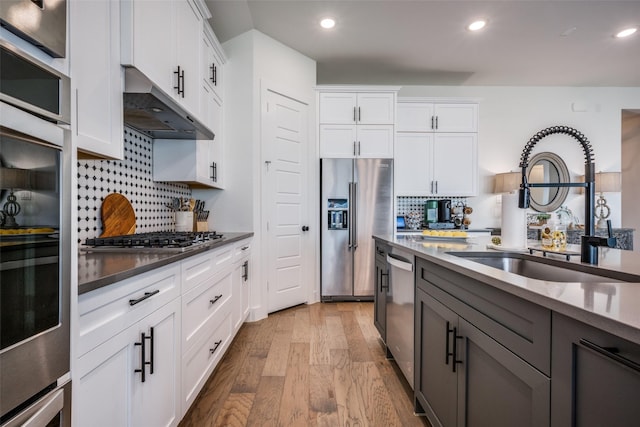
153,112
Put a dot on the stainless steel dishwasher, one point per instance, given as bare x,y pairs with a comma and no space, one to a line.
400,306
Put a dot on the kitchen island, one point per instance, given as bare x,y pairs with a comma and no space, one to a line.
496,348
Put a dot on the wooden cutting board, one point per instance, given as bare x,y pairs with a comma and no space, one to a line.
118,217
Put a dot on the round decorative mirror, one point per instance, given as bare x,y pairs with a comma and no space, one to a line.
547,168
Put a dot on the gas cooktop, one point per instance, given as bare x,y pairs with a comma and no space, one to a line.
161,242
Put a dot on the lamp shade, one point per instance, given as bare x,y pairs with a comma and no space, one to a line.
507,182
15,179
608,182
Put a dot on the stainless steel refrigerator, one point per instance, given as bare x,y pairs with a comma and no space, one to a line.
357,202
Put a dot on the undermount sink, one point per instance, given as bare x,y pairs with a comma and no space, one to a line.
552,270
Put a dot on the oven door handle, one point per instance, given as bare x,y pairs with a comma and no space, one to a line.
48,411
29,262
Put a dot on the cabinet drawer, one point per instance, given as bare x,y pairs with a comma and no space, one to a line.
242,249
197,269
109,310
199,362
521,326
203,302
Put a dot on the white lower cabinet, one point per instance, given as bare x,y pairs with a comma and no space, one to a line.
148,344
132,378
241,283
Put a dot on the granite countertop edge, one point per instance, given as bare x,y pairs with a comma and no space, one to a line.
156,260
625,324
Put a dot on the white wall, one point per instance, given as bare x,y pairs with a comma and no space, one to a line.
255,62
510,116
631,173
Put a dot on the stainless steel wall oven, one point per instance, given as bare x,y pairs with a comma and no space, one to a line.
35,243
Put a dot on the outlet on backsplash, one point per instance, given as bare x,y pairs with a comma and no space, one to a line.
132,177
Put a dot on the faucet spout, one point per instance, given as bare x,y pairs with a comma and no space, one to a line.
589,242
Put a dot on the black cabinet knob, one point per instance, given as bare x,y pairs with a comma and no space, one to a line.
305,228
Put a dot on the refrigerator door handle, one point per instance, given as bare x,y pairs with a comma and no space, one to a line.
350,216
354,215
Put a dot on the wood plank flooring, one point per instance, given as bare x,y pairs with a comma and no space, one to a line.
311,365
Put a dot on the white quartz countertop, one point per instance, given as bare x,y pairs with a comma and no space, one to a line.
610,306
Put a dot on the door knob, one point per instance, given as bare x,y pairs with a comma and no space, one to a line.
305,228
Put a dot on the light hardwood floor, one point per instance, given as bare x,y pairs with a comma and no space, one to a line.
311,365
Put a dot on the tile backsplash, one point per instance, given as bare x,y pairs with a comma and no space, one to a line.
131,177
407,204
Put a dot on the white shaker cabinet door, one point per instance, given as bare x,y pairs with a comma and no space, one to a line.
189,37
338,141
97,77
455,170
414,117
376,108
456,117
412,167
374,141
338,108
149,44
111,373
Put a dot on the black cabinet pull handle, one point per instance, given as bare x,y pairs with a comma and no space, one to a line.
213,73
381,276
432,127
151,343
215,347
436,122
354,114
179,81
214,172
447,353
359,115
215,300
611,353
245,270
455,360
144,297
143,355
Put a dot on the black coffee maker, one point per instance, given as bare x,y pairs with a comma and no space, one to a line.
444,210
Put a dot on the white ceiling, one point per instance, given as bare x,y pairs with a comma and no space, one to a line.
424,42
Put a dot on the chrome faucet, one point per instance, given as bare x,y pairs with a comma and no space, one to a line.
589,242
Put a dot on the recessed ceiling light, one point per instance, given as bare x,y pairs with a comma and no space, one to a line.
477,25
626,32
328,23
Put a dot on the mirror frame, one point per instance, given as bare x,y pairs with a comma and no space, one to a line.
563,174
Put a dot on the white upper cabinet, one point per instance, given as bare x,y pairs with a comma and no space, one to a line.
162,40
437,117
435,150
97,78
357,122
212,66
357,108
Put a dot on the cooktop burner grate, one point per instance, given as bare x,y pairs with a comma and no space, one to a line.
155,240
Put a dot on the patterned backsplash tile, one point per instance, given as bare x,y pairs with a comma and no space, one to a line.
408,204
131,177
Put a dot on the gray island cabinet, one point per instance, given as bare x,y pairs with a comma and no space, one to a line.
494,348
381,290
596,377
482,356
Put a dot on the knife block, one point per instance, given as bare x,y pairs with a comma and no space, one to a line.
200,225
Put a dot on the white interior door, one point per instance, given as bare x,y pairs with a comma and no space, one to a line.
286,204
